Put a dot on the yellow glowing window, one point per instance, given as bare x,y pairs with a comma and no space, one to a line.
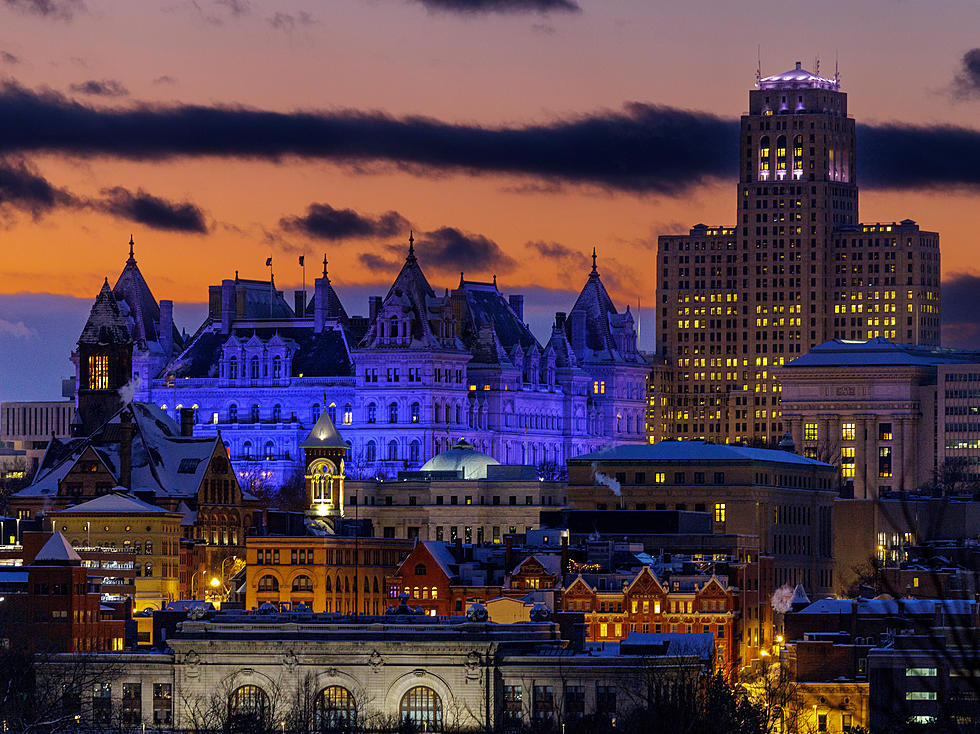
810,432
847,431
719,512
98,372
847,461
660,477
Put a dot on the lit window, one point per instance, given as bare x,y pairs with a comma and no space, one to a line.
98,372
847,462
719,512
810,432
847,431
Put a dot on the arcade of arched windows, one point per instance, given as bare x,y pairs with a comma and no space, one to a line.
219,527
336,590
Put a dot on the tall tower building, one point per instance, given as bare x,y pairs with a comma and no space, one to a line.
795,271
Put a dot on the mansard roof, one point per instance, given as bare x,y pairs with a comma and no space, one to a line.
106,324
601,319
324,354
163,461
487,305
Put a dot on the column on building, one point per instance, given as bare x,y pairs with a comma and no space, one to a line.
871,466
898,453
910,452
860,457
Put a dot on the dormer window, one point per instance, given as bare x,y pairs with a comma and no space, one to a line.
233,368
254,368
276,367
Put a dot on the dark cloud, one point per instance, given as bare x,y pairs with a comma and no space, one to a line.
153,211
8,58
377,263
61,9
961,311
474,7
288,22
450,250
325,222
235,7
564,256
22,188
641,148
101,88
966,83
165,79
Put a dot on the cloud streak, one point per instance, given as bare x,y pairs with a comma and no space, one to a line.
480,7
100,88
966,83
153,211
640,148
325,222
57,9
23,188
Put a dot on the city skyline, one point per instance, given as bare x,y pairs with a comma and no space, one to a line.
589,70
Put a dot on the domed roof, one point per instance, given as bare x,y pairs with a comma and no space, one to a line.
798,78
462,457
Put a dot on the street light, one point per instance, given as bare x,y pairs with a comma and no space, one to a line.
215,582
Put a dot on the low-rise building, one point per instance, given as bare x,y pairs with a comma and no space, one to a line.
784,499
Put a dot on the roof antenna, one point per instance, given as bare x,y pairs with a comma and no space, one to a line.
816,64
758,68
836,68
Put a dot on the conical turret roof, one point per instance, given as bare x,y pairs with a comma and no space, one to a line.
106,324
324,435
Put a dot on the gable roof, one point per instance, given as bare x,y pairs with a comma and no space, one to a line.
324,435
114,503
57,550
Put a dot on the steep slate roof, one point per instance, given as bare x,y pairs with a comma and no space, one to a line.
485,305
688,451
106,323
442,556
138,304
58,550
317,355
879,352
890,606
324,435
601,318
335,309
162,460
114,503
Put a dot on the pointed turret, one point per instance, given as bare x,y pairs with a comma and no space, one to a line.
324,450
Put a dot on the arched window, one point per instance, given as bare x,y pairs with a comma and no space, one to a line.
420,569
328,586
422,707
232,413
248,709
247,450
348,414
254,368
332,412
372,413
436,412
370,451
270,449
303,583
149,547
253,414
276,413
148,569
233,368
764,157
277,366
268,583
392,450
335,710
393,413
459,415
414,450
416,412
393,328
781,153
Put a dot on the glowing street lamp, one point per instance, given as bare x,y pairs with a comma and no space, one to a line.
215,582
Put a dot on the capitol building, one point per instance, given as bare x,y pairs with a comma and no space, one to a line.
404,383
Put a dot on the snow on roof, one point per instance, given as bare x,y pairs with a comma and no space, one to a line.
57,549
798,78
441,555
106,323
879,352
324,435
114,503
688,451
890,606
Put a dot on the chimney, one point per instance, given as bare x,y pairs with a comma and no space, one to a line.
167,328
578,330
560,320
374,304
508,551
186,422
299,300
227,305
126,449
517,304
321,288
459,550
564,556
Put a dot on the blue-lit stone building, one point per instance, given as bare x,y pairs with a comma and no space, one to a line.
421,371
